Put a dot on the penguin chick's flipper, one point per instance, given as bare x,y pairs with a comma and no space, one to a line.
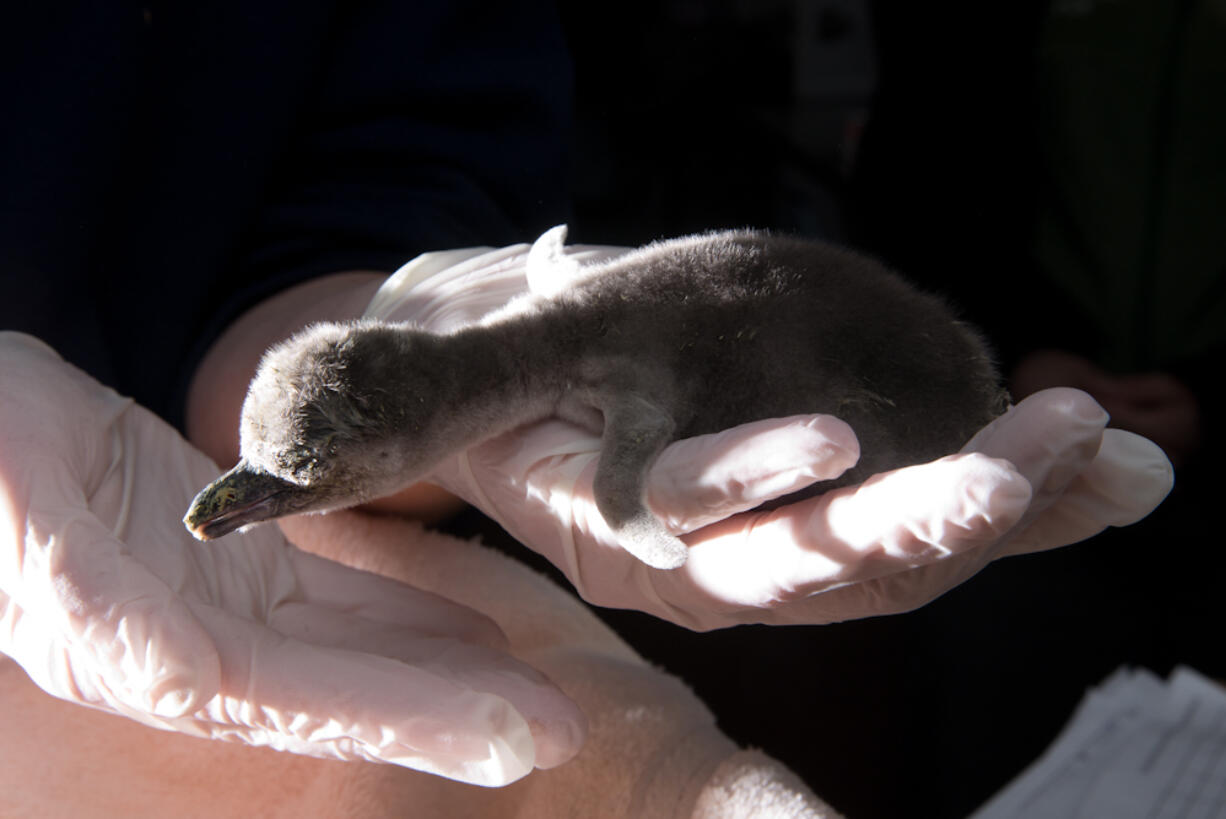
635,430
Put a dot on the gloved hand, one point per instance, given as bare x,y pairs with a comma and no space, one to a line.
654,751
106,601
1044,475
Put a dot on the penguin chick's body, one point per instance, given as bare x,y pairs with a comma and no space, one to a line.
673,340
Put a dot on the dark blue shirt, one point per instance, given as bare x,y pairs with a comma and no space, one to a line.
165,166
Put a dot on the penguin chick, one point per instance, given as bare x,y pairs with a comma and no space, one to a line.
676,339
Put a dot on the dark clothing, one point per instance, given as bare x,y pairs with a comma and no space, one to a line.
163,167
1060,177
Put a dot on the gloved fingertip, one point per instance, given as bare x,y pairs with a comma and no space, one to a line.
834,432
482,741
1140,473
12,339
1051,436
1068,402
832,446
560,740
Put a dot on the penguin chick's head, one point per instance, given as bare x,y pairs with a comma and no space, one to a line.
321,427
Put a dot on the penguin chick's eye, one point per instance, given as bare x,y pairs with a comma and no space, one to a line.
303,464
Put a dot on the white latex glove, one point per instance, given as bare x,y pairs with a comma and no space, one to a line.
1043,475
653,751
106,601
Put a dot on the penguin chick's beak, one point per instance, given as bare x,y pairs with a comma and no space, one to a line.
238,498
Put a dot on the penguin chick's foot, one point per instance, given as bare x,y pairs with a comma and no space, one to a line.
645,537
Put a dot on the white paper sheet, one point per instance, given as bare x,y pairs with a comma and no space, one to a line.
1138,747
